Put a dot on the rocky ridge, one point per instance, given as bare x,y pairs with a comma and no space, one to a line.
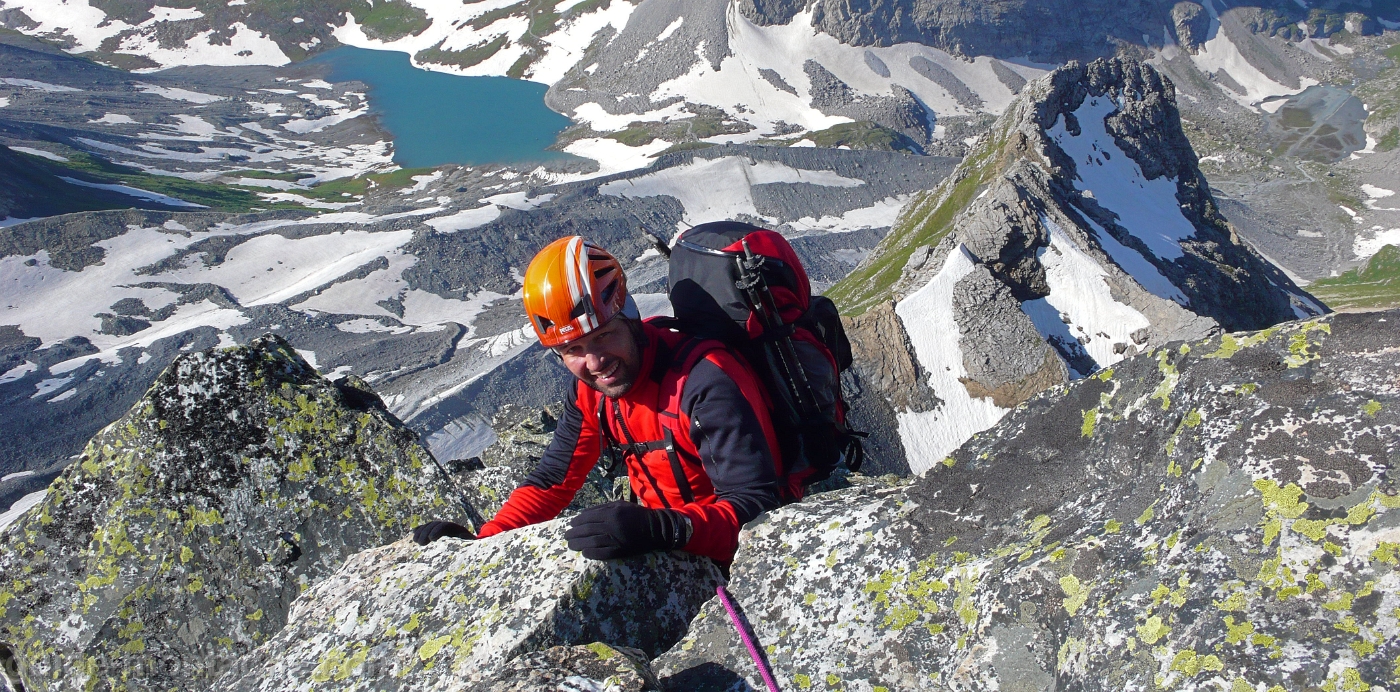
1219,514
1078,232
186,529
1204,513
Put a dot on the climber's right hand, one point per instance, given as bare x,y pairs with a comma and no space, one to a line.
434,530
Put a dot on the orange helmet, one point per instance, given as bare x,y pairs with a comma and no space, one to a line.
571,288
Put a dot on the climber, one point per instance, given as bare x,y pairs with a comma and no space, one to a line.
687,416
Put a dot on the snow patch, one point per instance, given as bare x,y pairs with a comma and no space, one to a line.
114,119
1369,243
1079,291
719,189
34,84
177,94
24,504
40,153
1220,54
1135,265
15,476
136,192
1148,209
929,436
18,372
463,220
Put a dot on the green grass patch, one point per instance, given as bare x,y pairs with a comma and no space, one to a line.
683,146
390,20
489,18
217,197
1393,52
350,188
1390,141
863,135
925,220
474,55
1375,285
634,136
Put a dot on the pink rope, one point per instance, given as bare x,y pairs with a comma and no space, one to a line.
750,640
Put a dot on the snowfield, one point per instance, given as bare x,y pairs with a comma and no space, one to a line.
1080,305
928,437
1146,208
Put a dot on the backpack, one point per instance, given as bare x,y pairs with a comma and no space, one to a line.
745,286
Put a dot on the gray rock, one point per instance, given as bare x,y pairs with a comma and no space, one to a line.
899,111
593,666
177,541
1222,513
455,613
939,75
1192,25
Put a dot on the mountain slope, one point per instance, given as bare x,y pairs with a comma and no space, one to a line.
1078,231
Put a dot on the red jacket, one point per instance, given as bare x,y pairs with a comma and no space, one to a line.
712,454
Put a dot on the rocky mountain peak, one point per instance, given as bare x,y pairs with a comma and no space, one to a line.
1077,232
179,538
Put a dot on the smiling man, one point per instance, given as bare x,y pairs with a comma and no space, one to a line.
687,416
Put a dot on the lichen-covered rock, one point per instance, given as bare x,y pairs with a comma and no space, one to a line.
1217,515
177,541
451,614
585,668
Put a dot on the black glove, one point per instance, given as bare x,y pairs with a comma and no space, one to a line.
622,529
434,530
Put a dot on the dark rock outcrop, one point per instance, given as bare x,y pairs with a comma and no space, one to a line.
178,540
1223,513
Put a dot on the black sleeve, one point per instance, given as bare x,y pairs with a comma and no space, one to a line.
731,442
554,463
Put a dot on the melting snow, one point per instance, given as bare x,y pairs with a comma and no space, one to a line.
930,436
32,84
1369,243
40,153
16,476
1148,209
464,220
1079,290
1220,54
114,119
1131,261
176,94
719,189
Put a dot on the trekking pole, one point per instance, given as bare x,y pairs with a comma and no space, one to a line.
762,299
474,519
750,640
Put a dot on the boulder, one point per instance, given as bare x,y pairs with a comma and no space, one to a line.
459,613
179,538
590,667
1222,514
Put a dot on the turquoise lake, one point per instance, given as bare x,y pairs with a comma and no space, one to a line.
438,118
